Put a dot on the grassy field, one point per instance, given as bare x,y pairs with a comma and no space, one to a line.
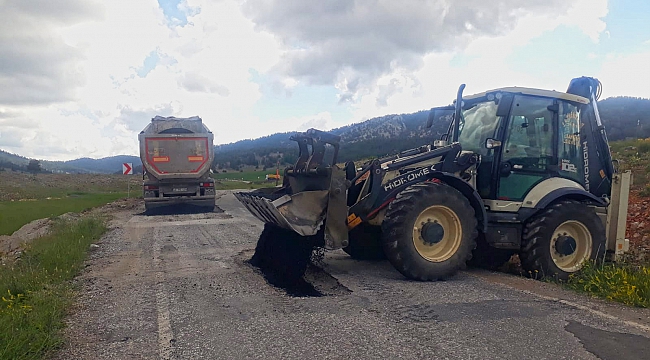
36,290
25,197
247,179
20,186
253,175
14,214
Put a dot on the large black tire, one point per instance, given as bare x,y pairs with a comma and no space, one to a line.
488,257
365,243
563,225
446,251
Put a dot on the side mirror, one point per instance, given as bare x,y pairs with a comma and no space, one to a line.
436,114
431,118
492,143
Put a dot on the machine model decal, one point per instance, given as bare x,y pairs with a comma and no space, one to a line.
585,152
568,166
401,180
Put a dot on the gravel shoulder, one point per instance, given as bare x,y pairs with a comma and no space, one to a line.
179,287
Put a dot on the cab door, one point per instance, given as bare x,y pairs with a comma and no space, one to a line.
528,154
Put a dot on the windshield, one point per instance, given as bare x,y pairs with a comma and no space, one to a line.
478,123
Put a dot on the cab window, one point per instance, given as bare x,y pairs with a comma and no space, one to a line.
528,146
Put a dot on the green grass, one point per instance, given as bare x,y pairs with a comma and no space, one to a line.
634,155
20,186
245,176
626,284
36,289
243,180
14,214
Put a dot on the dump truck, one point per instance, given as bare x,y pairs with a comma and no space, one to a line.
520,171
177,155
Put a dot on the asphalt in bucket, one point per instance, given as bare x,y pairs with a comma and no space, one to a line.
283,256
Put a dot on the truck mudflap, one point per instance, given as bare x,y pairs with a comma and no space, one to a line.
303,212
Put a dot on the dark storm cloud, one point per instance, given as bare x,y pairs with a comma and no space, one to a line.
363,40
36,65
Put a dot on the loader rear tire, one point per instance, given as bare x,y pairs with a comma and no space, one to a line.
561,239
429,232
365,243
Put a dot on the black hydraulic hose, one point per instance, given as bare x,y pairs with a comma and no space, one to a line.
459,108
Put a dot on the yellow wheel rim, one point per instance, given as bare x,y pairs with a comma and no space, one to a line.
448,228
581,244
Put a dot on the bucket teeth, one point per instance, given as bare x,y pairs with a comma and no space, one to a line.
303,213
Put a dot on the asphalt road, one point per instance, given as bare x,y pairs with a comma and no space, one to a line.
178,287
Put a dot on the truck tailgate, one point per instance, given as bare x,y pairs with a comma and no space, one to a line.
177,155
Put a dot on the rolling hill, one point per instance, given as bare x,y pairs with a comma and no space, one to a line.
106,165
623,117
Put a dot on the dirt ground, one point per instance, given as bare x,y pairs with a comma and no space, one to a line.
638,227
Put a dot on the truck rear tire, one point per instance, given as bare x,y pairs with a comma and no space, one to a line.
561,239
429,232
365,243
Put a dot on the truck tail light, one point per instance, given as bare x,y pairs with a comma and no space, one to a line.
207,184
151,187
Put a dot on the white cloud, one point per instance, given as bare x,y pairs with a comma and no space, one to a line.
81,94
435,83
626,75
205,71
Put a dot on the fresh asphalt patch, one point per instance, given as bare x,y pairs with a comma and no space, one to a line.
610,345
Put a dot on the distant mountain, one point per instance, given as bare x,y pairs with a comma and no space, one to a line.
623,117
106,165
13,161
13,158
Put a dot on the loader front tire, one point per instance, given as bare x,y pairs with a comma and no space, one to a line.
365,243
429,232
561,239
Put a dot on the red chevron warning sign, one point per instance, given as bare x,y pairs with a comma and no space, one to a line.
127,168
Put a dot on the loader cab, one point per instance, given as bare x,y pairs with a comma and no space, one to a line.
524,136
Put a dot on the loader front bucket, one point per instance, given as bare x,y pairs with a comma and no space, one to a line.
313,195
303,213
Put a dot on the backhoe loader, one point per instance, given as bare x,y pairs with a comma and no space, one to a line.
520,170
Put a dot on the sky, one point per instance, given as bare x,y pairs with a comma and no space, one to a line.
81,78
